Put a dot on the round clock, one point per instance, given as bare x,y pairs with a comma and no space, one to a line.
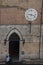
31,14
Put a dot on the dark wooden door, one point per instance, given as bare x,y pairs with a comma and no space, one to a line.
14,46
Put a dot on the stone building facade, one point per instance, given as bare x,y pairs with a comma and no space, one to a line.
12,20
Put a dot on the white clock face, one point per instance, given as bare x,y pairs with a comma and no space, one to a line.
31,14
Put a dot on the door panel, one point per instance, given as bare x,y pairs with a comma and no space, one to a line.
14,46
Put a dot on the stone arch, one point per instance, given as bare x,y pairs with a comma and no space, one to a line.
14,31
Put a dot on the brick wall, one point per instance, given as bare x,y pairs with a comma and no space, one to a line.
14,11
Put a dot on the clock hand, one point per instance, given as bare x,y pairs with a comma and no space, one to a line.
31,15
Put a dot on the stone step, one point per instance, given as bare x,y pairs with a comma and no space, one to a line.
33,61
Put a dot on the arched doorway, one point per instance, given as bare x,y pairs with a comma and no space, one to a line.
18,34
14,41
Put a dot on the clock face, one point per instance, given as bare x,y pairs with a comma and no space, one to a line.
31,14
